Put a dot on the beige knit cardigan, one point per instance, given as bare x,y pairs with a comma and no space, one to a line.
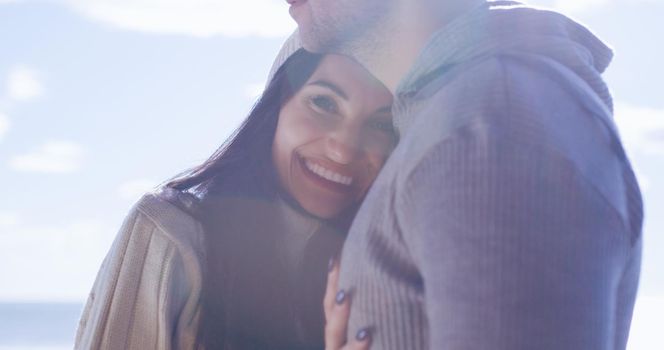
147,293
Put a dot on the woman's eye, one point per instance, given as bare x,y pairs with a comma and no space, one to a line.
323,104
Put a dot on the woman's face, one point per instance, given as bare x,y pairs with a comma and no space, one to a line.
333,136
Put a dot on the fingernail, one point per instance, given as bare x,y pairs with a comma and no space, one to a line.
330,264
341,297
362,334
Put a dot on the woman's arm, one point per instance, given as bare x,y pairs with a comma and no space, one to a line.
145,295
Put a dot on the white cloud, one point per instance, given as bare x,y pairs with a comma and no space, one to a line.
52,157
8,219
648,318
203,18
4,125
132,190
51,263
641,128
24,83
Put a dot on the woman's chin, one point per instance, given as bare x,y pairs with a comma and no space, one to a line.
325,210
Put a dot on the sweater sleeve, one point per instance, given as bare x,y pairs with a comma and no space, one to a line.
517,250
142,296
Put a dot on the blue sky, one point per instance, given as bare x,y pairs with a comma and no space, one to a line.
102,99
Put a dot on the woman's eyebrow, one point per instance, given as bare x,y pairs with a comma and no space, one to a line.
331,86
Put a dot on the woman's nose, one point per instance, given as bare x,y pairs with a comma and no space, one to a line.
344,145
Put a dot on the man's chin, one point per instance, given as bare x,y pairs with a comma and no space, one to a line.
312,41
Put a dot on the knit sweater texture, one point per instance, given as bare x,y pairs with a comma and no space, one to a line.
508,217
148,293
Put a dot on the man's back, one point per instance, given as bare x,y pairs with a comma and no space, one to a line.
508,217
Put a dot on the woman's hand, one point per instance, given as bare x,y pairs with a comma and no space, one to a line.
337,310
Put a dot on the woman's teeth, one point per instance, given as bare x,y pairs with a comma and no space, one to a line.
328,174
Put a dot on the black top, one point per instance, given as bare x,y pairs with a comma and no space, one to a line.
265,274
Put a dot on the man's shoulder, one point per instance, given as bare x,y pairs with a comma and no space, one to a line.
513,102
504,84
521,97
522,105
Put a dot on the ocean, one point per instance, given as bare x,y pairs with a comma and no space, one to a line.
38,326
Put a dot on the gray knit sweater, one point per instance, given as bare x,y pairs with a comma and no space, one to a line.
508,217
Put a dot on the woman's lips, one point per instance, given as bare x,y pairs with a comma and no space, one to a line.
327,173
325,177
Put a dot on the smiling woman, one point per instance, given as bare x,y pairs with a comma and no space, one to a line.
333,137
202,262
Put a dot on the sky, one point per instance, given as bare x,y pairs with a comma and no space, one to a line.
101,100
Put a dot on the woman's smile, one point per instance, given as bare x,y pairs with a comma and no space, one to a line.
324,176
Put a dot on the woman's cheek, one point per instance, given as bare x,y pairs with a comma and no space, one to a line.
311,128
300,131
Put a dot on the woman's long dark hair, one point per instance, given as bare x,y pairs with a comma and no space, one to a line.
242,165
244,162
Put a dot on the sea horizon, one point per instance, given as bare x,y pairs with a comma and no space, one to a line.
38,325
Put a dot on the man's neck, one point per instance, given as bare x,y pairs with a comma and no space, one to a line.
407,33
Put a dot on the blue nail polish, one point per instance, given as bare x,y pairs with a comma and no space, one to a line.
362,334
341,297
